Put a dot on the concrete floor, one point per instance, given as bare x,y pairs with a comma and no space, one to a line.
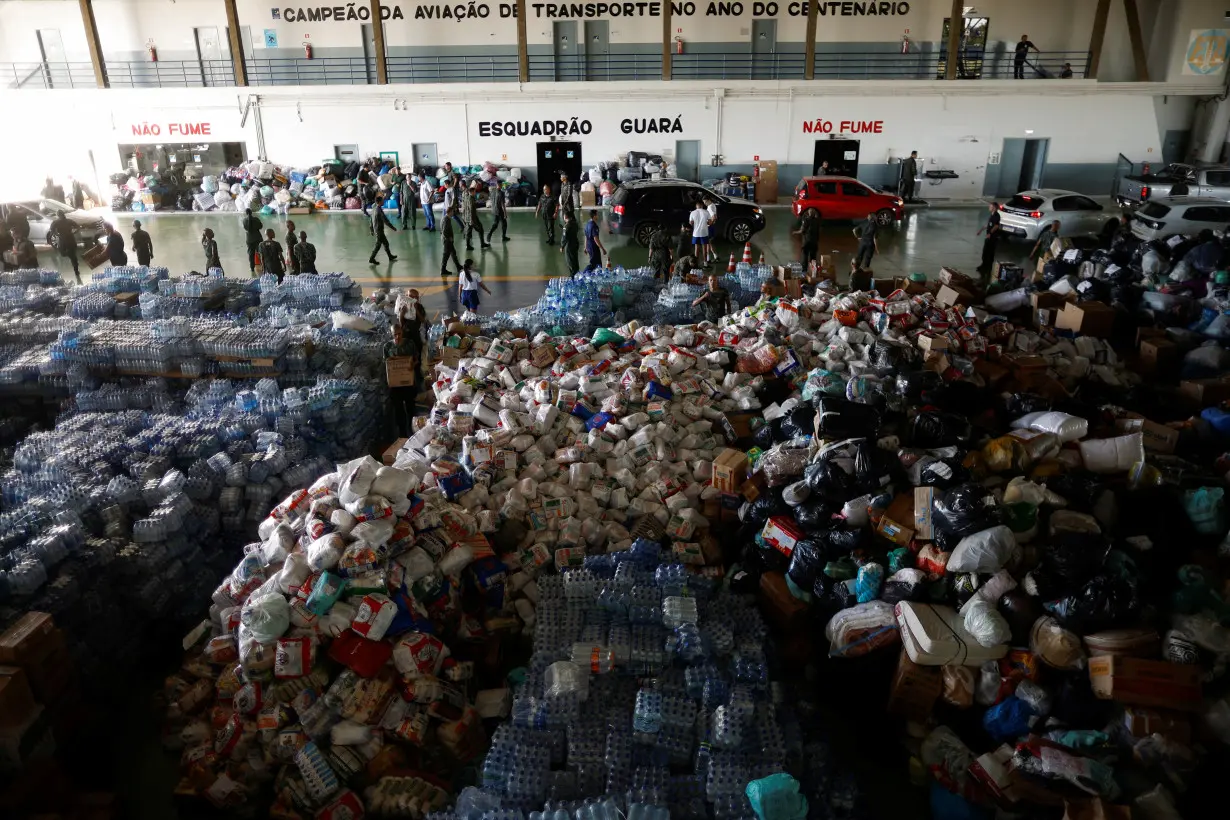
516,271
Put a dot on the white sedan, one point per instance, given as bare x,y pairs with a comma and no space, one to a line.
1029,212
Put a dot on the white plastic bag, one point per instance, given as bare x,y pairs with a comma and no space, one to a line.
985,623
265,618
1066,427
988,551
1113,455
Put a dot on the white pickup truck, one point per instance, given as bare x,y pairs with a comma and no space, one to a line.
1176,179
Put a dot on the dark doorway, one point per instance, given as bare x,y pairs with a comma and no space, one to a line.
554,157
841,155
1022,165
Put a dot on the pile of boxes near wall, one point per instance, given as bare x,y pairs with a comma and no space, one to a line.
957,505
40,691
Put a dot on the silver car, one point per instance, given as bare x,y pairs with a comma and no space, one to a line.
1029,212
40,213
1172,215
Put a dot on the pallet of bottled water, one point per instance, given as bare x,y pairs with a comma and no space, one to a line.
31,276
647,695
129,279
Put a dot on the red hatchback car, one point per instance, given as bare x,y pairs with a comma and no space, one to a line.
845,198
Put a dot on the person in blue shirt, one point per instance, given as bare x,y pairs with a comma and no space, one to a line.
593,244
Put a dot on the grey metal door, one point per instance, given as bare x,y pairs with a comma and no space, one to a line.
1010,162
764,49
369,52
209,55
567,65
425,156
598,50
1174,145
55,66
1033,164
687,159
346,153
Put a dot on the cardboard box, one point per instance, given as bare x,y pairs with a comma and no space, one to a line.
1046,299
1087,318
861,279
450,357
741,423
16,698
928,342
1095,808
1205,392
952,296
924,500
1045,317
400,371
1158,438
27,640
955,278
29,740
793,288
779,606
936,361
390,453
1146,683
993,374
914,689
729,471
1158,356
781,533
1142,722
898,533
49,676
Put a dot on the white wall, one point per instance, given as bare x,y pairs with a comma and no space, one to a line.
1188,16
958,131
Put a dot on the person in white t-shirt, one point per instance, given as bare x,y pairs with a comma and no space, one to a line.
468,283
712,209
425,197
700,231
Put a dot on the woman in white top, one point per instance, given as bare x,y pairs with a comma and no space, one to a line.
712,209
700,231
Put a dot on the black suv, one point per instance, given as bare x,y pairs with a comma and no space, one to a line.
640,207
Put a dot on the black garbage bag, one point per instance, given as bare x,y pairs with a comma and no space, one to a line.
815,515
933,428
1067,563
836,596
964,510
1022,404
835,544
904,586
889,357
912,385
961,397
1093,290
1104,602
943,473
768,434
766,505
838,418
1081,490
874,468
827,480
805,564
799,422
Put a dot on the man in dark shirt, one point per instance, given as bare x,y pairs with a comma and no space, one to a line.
867,245
66,240
1022,54
292,258
450,248
593,243
379,223
1066,74
252,233
570,246
991,240
305,254
52,191
660,255
22,256
142,244
271,256
809,235
402,399
115,247
499,211
909,170
683,247
546,210
716,301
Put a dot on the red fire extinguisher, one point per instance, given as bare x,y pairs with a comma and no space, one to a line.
307,50
678,45
1144,169
152,51
905,44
